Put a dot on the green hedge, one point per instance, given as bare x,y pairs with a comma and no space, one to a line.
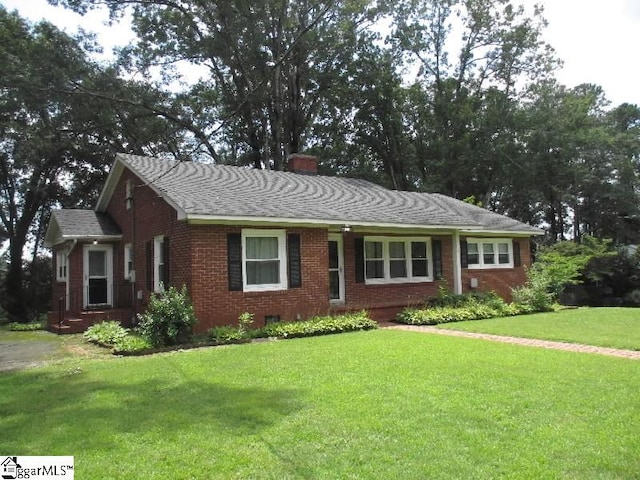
348,322
471,311
26,327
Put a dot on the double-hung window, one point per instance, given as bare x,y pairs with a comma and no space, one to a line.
128,261
264,259
62,263
489,253
159,264
397,260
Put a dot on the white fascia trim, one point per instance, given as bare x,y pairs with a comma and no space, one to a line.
244,220
90,237
500,233
110,185
113,178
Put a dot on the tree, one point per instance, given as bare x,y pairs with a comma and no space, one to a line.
56,141
465,100
269,65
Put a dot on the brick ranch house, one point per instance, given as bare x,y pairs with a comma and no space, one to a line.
281,245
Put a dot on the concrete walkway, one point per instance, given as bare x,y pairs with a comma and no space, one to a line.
571,347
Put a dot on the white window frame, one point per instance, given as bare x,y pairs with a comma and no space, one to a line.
128,258
281,235
62,266
481,265
158,260
410,278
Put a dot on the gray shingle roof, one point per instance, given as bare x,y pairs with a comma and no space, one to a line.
220,191
84,223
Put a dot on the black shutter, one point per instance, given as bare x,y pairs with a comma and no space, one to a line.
167,276
517,262
437,259
234,261
149,255
293,260
464,260
358,246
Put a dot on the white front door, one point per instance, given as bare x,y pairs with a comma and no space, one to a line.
98,275
336,269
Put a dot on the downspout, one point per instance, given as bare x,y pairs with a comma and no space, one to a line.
457,268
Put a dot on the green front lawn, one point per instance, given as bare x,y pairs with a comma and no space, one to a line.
605,327
378,404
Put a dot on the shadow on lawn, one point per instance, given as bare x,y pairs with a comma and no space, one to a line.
69,411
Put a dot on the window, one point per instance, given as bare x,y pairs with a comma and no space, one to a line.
128,193
489,253
397,260
128,261
62,263
159,264
264,259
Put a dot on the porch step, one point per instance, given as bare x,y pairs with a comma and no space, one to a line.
68,326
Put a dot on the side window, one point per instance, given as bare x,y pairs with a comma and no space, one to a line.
160,263
128,261
490,253
62,264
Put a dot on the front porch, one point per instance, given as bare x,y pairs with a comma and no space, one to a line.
86,306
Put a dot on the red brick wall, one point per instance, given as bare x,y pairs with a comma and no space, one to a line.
153,216
216,305
499,280
391,297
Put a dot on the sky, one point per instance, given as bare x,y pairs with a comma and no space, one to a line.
597,39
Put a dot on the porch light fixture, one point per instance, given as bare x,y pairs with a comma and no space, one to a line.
95,242
346,229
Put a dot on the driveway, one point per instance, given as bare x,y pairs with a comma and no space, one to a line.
18,353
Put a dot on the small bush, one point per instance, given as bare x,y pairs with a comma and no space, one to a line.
536,294
446,299
318,326
131,344
26,327
168,319
245,320
106,333
226,334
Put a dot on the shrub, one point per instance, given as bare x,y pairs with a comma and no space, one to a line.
245,320
319,326
168,319
536,294
447,299
437,315
225,334
131,344
106,333
26,327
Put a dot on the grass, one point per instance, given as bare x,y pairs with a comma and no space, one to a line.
378,404
604,327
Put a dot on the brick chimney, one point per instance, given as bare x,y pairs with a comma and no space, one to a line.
302,164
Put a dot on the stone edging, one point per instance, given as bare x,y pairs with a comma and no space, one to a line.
571,347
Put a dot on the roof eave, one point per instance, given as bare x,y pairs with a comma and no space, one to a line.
511,233
80,238
199,219
110,185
